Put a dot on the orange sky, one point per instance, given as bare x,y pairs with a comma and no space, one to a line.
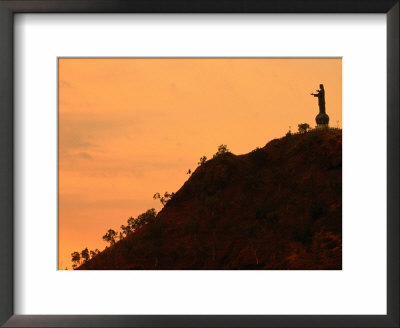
129,128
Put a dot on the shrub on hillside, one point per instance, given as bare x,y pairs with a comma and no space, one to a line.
303,127
222,149
202,161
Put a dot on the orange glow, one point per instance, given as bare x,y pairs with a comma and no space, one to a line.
129,128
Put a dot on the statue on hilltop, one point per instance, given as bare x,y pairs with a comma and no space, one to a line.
322,118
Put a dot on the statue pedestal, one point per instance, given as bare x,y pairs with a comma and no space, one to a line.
322,119
322,126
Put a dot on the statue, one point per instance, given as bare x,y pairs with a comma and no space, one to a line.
321,98
322,118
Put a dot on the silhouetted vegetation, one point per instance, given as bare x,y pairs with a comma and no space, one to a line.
79,258
164,199
76,259
303,127
94,253
202,161
135,223
142,219
222,149
85,255
110,236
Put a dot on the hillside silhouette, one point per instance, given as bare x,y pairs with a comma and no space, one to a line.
277,208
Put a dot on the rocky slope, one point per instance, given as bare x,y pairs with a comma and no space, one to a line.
276,208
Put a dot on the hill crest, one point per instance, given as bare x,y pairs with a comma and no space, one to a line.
277,207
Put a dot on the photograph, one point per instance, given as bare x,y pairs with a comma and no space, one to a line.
197,147
186,163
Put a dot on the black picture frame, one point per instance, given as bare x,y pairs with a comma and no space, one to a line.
10,7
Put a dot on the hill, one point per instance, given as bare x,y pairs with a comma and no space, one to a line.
278,207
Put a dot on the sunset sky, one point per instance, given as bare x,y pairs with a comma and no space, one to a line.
129,128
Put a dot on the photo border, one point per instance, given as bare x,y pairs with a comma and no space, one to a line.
7,10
